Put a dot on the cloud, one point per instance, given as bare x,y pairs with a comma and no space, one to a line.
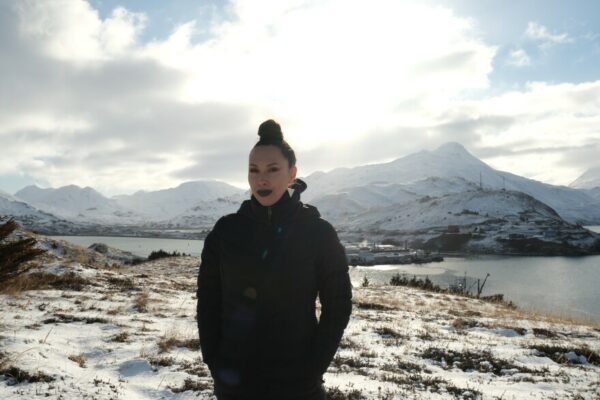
519,58
541,34
73,31
108,119
336,78
86,101
549,126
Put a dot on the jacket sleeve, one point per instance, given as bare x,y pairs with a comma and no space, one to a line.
335,295
209,299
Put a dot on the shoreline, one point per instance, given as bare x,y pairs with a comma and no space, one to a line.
458,254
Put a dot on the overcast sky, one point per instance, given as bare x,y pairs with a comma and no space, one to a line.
129,95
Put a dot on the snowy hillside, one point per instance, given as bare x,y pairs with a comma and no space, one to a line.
595,192
464,208
78,204
376,195
91,328
170,203
589,180
205,213
502,222
448,162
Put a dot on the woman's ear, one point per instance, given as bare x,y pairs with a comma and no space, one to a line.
293,172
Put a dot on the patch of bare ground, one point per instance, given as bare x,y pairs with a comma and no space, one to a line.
363,305
349,344
482,361
121,283
499,325
344,362
546,333
466,313
430,384
195,385
168,341
401,366
161,361
567,354
16,375
121,337
460,324
79,359
67,318
336,393
141,302
195,367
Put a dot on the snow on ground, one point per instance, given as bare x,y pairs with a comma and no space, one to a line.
129,332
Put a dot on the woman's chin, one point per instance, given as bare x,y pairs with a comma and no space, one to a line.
266,200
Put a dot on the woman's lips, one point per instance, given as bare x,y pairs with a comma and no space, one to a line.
264,192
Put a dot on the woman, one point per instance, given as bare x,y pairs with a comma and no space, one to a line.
262,269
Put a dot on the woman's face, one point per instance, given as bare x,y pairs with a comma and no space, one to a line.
269,174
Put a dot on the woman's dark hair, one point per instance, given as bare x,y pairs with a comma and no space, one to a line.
271,135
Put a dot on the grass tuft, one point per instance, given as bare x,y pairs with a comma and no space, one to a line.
141,302
167,342
79,359
193,385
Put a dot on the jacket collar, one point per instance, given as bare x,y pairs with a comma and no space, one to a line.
284,209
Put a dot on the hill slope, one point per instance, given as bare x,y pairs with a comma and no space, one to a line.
116,333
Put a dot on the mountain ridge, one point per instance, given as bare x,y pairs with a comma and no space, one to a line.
452,160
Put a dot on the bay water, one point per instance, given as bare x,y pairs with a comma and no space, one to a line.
568,286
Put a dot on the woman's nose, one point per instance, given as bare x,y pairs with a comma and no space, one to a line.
262,179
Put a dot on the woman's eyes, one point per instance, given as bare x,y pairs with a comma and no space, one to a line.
255,171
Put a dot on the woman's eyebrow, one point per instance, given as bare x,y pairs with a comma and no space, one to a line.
268,165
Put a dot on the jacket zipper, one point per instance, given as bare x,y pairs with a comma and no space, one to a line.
269,214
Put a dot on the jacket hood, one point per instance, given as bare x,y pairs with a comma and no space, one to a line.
286,208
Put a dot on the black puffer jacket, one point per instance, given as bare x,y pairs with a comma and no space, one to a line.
262,269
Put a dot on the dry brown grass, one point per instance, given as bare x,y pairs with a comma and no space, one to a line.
115,310
83,258
543,317
141,302
387,297
122,337
168,341
192,384
121,283
17,375
44,280
79,359
164,361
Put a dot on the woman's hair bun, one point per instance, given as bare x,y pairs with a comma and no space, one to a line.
270,131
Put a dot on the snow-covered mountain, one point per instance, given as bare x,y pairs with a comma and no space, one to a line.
30,217
450,169
170,203
200,199
590,179
78,204
417,198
